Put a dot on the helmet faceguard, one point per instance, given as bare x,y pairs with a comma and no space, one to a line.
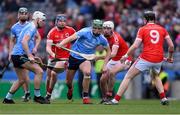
62,18
38,14
108,24
108,27
39,17
97,23
23,10
23,14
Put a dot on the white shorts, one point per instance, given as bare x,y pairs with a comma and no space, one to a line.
144,65
53,64
112,63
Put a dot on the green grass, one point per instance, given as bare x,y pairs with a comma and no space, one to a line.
76,107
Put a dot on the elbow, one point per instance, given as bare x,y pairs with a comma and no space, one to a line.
23,42
135,46
113,55
171,47
47,49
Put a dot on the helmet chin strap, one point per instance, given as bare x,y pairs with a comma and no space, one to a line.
38,26
107,35
95,34
24,20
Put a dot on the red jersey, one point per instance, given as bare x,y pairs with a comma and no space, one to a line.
57,35
152,36
116,39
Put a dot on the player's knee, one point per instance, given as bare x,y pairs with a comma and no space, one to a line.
53,73
39,71
103,79
21,81
87,73
112,73
68,82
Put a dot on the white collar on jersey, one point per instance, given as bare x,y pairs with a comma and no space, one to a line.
150,23
23,23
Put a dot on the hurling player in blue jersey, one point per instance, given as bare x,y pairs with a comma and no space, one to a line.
25,46
15,32
87,39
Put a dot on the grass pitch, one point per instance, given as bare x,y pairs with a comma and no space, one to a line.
76,107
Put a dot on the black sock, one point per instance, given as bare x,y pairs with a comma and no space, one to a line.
85,94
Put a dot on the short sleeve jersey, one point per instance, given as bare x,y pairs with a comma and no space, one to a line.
152,36
56,36
17,28
116,39
87,42
29,30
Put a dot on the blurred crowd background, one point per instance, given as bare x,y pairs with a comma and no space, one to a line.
126,14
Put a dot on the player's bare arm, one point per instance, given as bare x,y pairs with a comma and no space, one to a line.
170,49
26,48
48,48
114,50
11,45
108,55
37,42
130,51
67,40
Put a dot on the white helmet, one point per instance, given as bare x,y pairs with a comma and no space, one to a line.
38,14
109,24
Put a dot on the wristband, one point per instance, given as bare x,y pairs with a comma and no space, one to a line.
126,56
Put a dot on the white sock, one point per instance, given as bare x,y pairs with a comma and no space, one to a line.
164,99
114,101
37,92
9,96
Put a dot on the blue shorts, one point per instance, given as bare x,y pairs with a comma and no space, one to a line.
74,63
18,60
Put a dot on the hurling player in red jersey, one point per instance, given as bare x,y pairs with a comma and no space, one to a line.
118,48
56,34
152,37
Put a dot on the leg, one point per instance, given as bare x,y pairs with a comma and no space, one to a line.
37,81
98,77
38,73
85,67
113,71
53,78
132,72
80,80
15,86
26,86
160,89
104,85
69,79
48,78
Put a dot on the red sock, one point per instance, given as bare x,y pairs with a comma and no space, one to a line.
162,95
49,90
47,87
109,94
117,97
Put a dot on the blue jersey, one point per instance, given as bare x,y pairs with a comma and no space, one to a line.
86,42
29,30
16,29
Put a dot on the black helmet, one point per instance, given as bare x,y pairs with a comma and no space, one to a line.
22,10
61,17
149,15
